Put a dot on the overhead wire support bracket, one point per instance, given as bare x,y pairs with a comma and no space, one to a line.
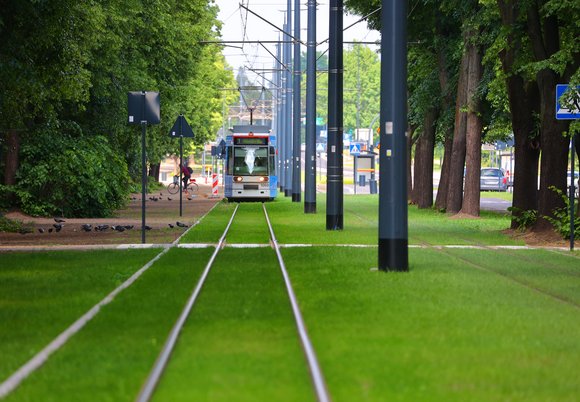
294,39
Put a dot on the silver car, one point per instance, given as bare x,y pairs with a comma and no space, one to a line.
492,179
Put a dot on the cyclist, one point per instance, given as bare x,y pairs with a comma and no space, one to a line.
186,175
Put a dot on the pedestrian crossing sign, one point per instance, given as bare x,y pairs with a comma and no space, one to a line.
355,149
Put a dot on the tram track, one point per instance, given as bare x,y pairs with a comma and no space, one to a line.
156,373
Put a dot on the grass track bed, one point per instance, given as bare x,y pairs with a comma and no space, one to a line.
361,225
442,332
249,225
43,293
111,357
210,229
240,342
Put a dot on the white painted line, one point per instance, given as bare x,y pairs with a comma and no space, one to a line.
41,357
249,245
195,245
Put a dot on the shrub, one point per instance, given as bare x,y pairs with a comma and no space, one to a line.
523,218
561,218
63,172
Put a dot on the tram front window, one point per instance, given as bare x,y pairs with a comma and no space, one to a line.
251,161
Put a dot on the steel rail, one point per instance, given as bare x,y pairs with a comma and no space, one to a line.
159,366
15,379
315,372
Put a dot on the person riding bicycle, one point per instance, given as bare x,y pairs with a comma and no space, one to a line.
186,172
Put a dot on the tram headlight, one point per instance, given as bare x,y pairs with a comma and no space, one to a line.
264,178
238,179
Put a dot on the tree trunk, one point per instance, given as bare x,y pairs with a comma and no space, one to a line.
423,173
455,190
524,104
442,190
154,169
12,160
447,104
473,134
554,158
545,41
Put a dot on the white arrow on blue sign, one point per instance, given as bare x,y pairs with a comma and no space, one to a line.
567,102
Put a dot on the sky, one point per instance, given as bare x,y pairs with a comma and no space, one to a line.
235,19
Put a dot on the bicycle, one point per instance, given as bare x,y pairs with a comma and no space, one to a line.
173,188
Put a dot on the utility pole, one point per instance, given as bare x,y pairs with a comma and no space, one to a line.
310,156
393,219
334,186
282,109
296,140
288,131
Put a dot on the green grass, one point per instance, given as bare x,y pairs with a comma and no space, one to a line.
212,225
361,224
462,325
240,343
250,225
111,357
442,332
502,195
43,293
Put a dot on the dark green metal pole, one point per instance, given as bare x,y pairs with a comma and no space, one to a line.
334,190
310,156
296,140
393,219
143,174
572,191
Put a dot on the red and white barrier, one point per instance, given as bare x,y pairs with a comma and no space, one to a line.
215,185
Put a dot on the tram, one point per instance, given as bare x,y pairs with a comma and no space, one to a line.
250,164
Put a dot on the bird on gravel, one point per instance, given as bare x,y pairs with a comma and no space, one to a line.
101,228
40,230
50,230
189,197
59,220
181,225
170,226
129,227
87,227
118,228
58,226
169,198
147,227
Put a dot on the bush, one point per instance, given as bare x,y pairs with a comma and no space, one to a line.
561,218
523,218
63,172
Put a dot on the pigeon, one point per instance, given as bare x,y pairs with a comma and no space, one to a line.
50,230
129,227
100,228
58,226
181,225
40,230
118,228
87,227
189,197
169,198
59,220
161,194
170,225
147,227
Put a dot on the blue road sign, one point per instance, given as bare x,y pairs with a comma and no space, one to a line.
567,102
355,148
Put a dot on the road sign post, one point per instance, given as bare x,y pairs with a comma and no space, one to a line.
568,108
181,128
144,108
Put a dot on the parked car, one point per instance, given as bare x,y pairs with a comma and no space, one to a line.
492,179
